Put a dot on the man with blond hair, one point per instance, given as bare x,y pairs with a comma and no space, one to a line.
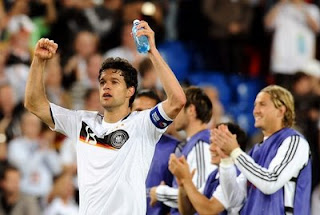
276,175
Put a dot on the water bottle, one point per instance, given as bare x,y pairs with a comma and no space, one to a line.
141,42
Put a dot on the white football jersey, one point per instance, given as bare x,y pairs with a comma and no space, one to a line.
113,158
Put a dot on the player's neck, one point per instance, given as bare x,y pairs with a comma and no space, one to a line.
115,114
195,127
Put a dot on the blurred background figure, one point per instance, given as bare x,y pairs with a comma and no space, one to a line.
94,63
18,61
295,24
105,20
12,200
148,78
35,157
75,71
53,83
60,198
218,113
228,24
10,112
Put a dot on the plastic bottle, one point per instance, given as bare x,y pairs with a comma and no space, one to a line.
141,42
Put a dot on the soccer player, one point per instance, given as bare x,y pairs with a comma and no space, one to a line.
276,175
209,199
114,150
193,119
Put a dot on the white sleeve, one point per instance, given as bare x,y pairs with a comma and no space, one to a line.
232,189
66,121
291,157
168,195
154,123
199,158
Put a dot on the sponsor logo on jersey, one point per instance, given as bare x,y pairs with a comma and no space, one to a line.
114,140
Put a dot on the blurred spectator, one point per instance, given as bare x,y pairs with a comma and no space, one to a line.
10,112
60,199
307,106
19,54
218,115
127,49
17,7
34,157
3,19
85,45
43,14
315,204
312,68
92,98
3,150
295,24
3,59
106,21
75,71
149,78
229,22
53,83
12,201
7,105
94,63
70,21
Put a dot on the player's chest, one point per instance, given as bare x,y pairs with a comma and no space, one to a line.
112,137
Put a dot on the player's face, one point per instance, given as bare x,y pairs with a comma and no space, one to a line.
143,103
266,115
215,157
113,89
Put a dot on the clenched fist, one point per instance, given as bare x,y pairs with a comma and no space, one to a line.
45,49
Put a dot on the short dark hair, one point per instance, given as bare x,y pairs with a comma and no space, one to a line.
197,97
128,72
241,135
151,94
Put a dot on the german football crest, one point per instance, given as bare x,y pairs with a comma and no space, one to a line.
118,138
114,140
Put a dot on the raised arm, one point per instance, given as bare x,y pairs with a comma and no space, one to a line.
35,97
175,95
